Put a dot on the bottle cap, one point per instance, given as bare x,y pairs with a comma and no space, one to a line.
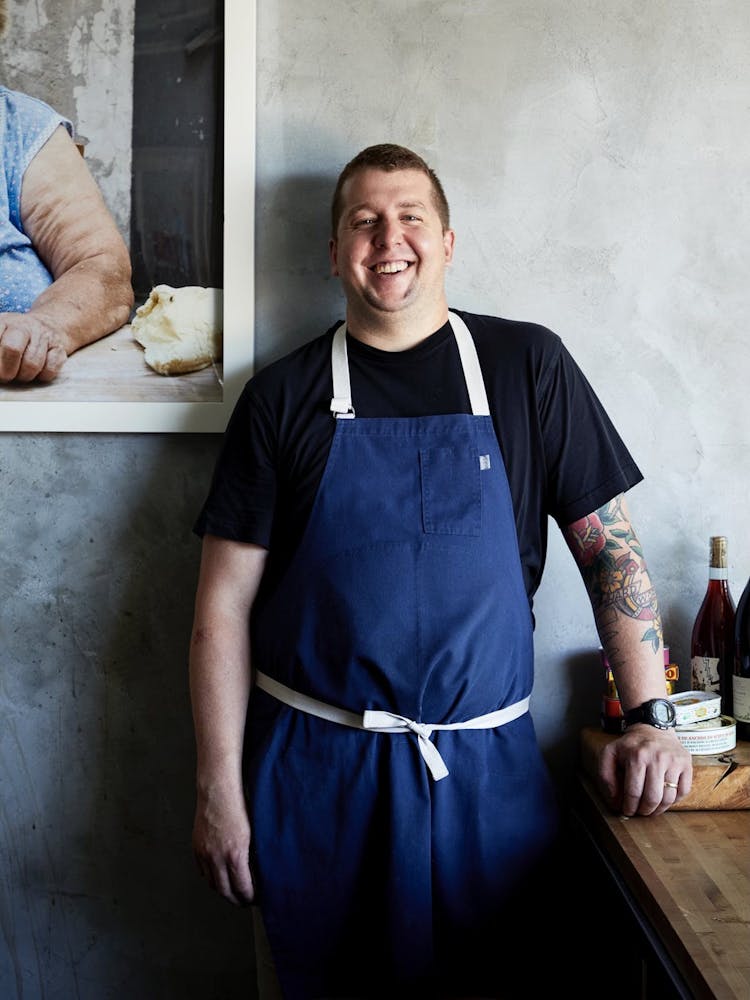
718,556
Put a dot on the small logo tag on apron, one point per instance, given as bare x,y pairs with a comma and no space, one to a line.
484,462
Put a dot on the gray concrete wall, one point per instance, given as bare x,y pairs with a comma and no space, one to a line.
596,159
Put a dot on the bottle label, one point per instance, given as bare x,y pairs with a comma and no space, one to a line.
718,573
741,692
704,673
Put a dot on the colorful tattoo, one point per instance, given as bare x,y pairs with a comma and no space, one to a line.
614,569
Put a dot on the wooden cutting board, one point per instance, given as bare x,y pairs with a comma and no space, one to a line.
719,782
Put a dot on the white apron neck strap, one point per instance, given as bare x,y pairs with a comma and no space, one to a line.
480,406
341,404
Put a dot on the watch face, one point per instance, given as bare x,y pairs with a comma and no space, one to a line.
663,712
657,712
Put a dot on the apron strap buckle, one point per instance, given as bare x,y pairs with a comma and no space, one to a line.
342,409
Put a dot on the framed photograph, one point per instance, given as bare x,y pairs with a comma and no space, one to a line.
191,231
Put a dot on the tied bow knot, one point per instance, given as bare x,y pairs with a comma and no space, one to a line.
388,722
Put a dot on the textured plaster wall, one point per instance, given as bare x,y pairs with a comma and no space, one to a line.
596,159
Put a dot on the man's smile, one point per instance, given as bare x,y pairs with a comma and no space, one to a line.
390,266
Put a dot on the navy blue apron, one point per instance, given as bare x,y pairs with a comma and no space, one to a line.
378,868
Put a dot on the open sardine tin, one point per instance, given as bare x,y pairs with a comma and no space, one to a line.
710,736
695,706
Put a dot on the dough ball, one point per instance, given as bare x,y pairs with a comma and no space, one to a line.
180,328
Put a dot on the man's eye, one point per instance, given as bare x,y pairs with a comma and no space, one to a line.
411,218
364,222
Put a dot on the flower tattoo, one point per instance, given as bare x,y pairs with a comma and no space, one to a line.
614,569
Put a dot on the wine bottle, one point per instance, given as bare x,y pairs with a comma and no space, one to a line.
712,642
741,679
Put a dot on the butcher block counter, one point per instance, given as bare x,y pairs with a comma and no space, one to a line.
672,891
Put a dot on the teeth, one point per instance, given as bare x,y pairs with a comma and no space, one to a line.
391,267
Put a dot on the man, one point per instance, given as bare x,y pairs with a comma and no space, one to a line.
380,507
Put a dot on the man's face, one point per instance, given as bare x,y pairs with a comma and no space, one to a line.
390,250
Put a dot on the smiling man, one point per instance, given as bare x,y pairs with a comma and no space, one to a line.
362,651
390,248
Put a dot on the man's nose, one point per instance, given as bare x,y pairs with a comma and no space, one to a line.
388,233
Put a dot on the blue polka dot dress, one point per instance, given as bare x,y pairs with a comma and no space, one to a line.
25,125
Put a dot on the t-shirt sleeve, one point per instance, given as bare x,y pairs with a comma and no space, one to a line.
242,496
28,125
587,461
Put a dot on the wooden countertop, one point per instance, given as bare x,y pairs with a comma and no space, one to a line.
689,872
112,369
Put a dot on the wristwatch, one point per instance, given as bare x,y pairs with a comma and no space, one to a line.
658,712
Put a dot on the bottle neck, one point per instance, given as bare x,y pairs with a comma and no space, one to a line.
718,590
718,573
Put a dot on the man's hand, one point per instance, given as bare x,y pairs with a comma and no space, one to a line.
221,843
220,683
645,771
29,349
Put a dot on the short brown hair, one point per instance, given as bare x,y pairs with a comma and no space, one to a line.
388,156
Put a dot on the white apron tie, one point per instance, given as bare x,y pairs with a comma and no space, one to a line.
376,721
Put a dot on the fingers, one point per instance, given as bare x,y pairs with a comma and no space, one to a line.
27,352
221,842
609,783
56,358
228,875
641,793
676,786
658,795
644,772
670,792
13,345
645,793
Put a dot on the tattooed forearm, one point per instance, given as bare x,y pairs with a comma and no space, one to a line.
613,567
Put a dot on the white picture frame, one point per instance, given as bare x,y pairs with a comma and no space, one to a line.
21,411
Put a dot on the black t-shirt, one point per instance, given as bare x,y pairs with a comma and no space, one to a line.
562,454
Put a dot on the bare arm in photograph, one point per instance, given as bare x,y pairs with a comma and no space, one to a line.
634,768
64,215
220,683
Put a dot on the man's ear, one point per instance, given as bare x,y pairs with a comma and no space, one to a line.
333,254
449,239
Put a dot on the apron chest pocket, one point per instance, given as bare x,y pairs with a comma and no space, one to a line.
451,491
